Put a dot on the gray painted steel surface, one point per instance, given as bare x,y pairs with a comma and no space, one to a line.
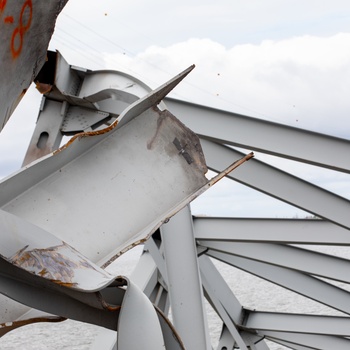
96,166
264,136
281,185
267,230
185,286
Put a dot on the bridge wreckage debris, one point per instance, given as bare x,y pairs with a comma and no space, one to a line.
127,176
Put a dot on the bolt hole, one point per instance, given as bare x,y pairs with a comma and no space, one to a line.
44,136
224,348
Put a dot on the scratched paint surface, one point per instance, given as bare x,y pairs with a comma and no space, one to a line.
58,263
26,27
42,254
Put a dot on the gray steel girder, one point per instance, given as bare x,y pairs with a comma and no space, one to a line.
296,281
296,231
308,341
298,259
265,136
297,323
185,292
280,185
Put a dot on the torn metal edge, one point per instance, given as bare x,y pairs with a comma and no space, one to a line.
178,207
139,106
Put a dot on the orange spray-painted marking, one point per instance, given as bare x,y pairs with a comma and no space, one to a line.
18,33
8,19
2,5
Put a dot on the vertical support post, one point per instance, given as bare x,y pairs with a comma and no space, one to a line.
184,282
47,133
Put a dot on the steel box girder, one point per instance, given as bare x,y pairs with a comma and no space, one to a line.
281,185
290,257
297,323
296,281
264,230
264,136
307,341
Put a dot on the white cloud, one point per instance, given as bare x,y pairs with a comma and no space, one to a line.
302,81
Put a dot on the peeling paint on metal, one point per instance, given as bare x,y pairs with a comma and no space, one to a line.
43,88
86,134
171,327
52,263
190,147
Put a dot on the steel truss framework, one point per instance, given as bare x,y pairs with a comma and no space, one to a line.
176,270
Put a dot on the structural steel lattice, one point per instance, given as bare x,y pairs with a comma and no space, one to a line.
129,168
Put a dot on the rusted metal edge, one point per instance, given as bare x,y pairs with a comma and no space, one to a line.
80,135
175,334
181,205
10,326
230,168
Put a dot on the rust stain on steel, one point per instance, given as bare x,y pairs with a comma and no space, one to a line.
172,328
232,167
10,326
160,122
81,135
51,263
186,139
107,306
42,87
120,253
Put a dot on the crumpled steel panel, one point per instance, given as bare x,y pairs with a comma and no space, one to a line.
40,253
51,280
107,190
26,27
88,202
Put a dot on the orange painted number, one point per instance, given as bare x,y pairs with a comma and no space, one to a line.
25,20
2,5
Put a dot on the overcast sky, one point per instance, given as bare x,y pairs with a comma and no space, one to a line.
285,61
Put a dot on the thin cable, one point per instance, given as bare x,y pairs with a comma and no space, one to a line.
132,54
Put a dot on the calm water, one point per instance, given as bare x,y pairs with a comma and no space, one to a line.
251,291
